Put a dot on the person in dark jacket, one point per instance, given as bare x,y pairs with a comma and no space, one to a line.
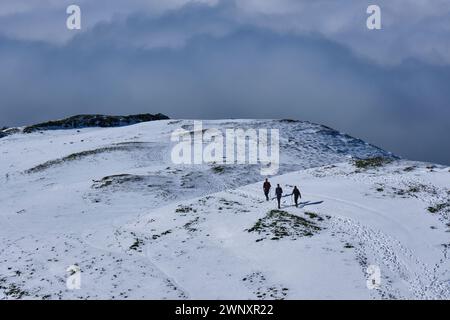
297,195
266,188
279,194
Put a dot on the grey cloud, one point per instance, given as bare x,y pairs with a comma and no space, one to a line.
210,64
411,28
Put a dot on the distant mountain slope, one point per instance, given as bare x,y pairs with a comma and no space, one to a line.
88,197
147,147
88,121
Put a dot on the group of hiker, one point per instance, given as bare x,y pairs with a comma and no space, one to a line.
279,193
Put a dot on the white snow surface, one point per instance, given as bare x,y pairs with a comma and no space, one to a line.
139,227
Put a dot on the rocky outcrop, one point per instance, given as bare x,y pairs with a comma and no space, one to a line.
7,131
94,120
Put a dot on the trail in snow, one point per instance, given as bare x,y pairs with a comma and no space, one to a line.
140,227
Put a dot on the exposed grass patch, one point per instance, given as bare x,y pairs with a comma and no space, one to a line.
218,169
116,179
156,236
12,290
278,224
258,282
371,162
82,155
229,203
136,245
439,207
411,190
189,180
415,190
185,209
315,216
189,226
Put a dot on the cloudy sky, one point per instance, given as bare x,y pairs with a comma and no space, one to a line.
302,59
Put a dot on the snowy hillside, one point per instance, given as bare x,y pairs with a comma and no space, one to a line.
110,201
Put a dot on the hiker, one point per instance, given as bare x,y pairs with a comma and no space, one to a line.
297,195
279,193
266,188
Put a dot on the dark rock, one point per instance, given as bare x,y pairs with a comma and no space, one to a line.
5,131
96,120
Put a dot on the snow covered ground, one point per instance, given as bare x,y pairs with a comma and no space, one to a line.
110,201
